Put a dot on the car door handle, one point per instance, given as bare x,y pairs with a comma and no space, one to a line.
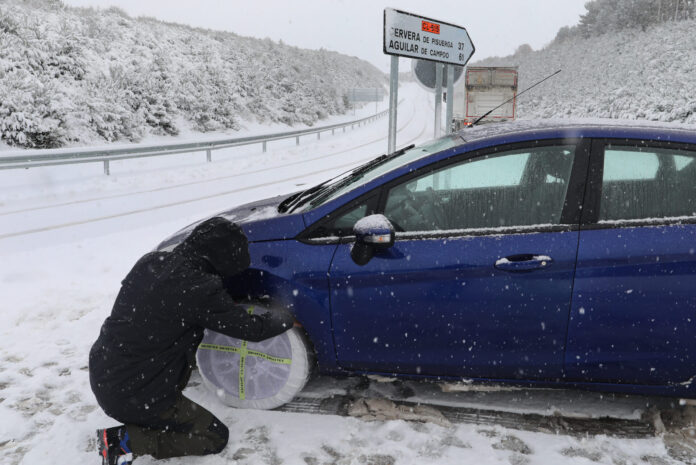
523,262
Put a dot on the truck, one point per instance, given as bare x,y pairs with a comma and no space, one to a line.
481,90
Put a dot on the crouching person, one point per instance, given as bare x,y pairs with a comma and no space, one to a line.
141,362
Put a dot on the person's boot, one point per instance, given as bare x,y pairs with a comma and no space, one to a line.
114,446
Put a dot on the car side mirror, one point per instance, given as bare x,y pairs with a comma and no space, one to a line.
372,233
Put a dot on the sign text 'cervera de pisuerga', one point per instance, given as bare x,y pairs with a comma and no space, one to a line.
408,35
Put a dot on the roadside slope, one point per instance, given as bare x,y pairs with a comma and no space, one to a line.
628,74
79,76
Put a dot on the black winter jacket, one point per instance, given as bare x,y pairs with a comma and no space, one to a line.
146,347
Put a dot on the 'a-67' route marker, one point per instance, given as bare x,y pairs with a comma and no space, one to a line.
413,36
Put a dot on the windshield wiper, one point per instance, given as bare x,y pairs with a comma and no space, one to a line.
283,206
357,173
297,198
323,189
360,170
379,160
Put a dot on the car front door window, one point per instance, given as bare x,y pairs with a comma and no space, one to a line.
514,188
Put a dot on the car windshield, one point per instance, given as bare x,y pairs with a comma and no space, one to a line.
345,182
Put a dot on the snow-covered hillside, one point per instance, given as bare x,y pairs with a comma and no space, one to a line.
627,74
84,76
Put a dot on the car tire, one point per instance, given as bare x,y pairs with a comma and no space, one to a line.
255,375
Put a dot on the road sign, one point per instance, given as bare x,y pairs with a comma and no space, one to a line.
424,72
412,36
369,94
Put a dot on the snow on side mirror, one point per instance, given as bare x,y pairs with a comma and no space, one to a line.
372,233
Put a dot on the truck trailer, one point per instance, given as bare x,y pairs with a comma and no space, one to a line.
481,90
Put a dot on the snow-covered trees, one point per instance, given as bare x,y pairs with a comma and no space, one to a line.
75,75
607,16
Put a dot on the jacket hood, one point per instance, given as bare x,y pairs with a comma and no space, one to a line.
220,243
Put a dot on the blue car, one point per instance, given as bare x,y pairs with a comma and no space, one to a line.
551,254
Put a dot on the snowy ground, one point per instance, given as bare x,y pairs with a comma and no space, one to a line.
68,235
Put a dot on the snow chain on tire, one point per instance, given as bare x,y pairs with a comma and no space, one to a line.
258,375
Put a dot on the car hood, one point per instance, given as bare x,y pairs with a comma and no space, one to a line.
259,220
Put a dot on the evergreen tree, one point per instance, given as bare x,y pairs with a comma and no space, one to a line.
604,16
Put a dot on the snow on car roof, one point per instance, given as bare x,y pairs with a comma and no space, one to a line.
571,125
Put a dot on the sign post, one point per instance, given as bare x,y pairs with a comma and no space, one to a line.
393,102
450,98
438,99
412,36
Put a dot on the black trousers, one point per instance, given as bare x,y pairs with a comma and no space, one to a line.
186,428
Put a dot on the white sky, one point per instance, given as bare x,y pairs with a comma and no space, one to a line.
355,27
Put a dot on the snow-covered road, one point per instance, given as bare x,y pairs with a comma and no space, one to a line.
69,234
153,191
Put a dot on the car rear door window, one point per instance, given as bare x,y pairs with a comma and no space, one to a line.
631,318
513,188
646,183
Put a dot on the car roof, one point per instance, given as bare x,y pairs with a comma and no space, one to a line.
523,130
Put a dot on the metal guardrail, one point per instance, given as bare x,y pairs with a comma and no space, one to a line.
53,157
